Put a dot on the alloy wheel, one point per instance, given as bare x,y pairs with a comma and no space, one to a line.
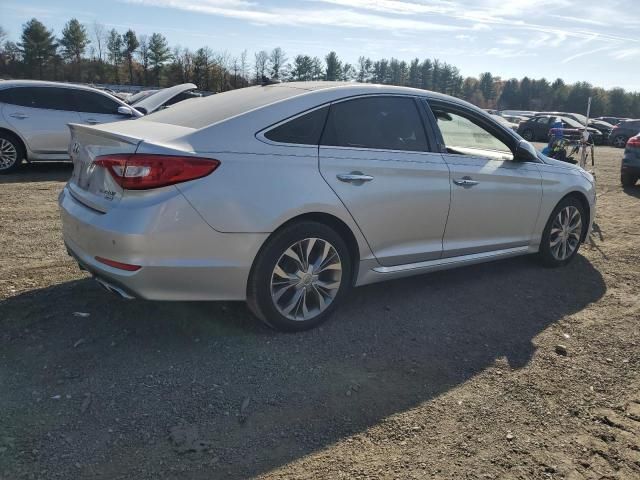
620,141
566,232
8,154
306,279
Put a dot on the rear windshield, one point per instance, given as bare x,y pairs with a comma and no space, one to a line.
215,108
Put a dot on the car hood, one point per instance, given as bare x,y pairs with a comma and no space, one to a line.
156,100
566,165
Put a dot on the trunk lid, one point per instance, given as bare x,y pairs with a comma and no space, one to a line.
93,185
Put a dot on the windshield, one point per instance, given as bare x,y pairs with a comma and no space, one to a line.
133,99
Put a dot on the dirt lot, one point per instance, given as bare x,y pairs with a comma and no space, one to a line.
449,375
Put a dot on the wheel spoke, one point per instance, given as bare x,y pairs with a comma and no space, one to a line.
295,257
281,291
293,302
307,256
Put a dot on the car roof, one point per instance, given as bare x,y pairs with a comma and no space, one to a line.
223,106
42,83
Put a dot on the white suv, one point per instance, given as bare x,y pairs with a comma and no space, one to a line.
34,117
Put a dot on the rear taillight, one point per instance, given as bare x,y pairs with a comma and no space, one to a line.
142,171
634,142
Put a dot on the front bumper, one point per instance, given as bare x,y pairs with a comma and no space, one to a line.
181,257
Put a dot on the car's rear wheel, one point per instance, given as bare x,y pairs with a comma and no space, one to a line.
528,135
11,153
628,180
619,141
299,277
563,233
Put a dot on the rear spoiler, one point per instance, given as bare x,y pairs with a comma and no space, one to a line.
91,130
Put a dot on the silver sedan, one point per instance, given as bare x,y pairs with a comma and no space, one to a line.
288,195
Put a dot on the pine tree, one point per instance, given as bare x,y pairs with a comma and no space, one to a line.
131,44
334,67
74,42
159,53
114,46
37,45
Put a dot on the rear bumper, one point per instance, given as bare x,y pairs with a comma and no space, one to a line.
181,257
627,169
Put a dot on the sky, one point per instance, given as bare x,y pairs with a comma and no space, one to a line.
594,41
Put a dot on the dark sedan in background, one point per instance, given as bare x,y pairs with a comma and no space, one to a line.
623,131
630,168
537,128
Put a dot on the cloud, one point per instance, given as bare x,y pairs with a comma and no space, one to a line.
295,16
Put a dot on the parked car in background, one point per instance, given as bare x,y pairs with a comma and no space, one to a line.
623,131
166,97
505,122
612,120
630,167
287,195
537,128
603,127
520,113
515,118
34,117
578,117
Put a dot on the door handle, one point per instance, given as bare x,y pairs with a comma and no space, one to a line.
357,178
92,121
18,115
465,182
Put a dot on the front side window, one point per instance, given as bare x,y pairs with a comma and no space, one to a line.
387,123
91,102
303,130
464,136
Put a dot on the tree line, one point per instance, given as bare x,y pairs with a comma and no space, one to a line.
93,54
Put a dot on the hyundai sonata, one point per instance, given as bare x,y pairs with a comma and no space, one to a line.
288,195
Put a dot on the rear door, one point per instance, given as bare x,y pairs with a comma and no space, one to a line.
41,115
375,155
495,199
94,107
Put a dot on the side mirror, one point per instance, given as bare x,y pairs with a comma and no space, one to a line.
122,110
526,152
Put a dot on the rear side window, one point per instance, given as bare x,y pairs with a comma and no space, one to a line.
387,123
305,129
50,98
91,102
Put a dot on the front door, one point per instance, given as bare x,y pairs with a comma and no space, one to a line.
495,199
375,156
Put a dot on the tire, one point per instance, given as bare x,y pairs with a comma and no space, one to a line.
11,153
619,141
552,253
628,180
286,293
528,135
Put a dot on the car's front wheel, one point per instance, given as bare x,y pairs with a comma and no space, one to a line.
11,153
563,233
299,277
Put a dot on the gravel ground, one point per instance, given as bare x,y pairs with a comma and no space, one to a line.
504,370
